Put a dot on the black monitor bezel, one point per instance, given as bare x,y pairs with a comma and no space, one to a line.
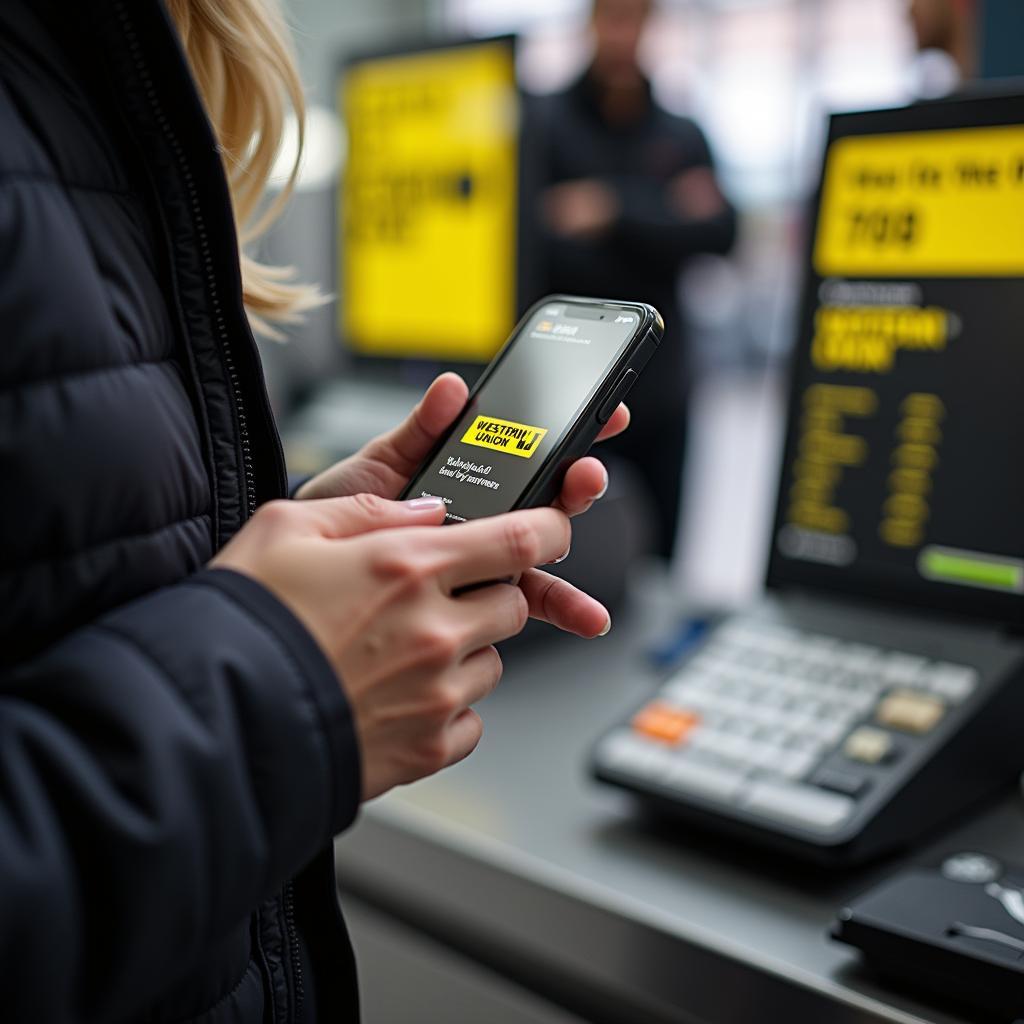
976,107
411,368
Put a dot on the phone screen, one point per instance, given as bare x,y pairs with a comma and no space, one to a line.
520,413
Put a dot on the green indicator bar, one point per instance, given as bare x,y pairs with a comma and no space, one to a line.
971,569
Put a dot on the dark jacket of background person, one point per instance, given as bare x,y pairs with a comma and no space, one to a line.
638,258
173,745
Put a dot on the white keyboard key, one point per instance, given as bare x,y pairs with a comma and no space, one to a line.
800,721
653,761
619,749
767,717
782,645
808,742
740,633
820,650
861,702
798,804
719,782
744,727
624,750
774,697
686,694
795,764
856,686
858,657
904,669
736,748
703,739
954,682
768,757
832,731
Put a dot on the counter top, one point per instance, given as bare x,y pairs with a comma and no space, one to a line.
518,859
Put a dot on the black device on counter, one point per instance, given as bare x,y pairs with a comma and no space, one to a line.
876,690
956,932
539,405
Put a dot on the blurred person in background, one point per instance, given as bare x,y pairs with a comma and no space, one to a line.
629,194
949,26
200,682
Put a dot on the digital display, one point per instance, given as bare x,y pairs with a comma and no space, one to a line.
525,404
902,475
428,203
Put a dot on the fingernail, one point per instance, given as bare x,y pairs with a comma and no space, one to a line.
604,490
562,558
428,501
607,627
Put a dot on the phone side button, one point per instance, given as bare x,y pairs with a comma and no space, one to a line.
619,392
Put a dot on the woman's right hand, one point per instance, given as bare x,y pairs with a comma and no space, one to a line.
380,588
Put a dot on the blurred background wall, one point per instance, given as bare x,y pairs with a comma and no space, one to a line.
760,77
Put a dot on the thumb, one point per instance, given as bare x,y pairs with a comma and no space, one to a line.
408,444
335,518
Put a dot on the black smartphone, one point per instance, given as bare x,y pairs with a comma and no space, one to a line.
539,405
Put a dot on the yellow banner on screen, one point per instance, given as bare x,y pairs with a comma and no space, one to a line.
925,204
504,436
429,203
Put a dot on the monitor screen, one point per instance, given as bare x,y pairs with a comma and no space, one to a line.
428,207
903,472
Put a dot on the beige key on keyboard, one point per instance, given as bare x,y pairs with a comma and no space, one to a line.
910,711
871,746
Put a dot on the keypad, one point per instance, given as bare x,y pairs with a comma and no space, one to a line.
784,722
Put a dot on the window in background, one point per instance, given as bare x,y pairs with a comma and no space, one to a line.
760,77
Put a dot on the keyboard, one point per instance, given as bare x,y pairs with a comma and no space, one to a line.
784,724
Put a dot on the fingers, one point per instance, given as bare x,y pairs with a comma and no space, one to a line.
463,735
405,447
584,483
617,423
499,547
477,676
553,600
491,614
587,479
335,518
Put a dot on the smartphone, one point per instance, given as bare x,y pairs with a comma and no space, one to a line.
539,406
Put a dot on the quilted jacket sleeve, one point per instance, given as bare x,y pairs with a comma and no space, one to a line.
161,771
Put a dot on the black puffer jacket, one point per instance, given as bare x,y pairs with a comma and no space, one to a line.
173,745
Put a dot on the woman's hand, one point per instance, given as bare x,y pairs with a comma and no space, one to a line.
384,466
382,590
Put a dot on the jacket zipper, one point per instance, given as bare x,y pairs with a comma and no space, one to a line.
293,944
245,443
223,337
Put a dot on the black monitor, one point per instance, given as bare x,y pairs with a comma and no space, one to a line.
903,472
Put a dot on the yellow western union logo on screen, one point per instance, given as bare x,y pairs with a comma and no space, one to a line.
944,203
504,435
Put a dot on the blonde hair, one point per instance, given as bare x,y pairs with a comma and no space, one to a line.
242,60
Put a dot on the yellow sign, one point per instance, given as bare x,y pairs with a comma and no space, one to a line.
428,203
933,203
504,436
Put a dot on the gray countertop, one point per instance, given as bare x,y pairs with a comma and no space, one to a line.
520,860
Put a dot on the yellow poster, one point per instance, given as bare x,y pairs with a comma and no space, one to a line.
924,204
428,203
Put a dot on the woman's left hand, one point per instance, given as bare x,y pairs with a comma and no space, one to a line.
385,464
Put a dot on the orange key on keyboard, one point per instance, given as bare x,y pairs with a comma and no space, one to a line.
660,721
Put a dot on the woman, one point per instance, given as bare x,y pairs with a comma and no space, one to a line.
199,682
